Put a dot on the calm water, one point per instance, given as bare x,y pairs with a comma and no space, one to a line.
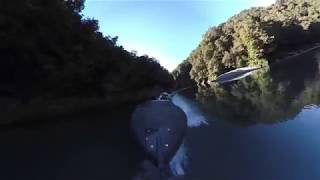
266,126
263,127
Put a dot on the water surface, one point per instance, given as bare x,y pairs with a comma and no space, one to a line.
263,127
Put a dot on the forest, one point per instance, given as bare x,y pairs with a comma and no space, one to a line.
259,36
54,59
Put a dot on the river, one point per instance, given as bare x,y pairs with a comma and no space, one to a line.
263,127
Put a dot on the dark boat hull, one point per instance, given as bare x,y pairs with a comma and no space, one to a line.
159,127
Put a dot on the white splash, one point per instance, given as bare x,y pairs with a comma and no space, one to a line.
194,116
179,161
195,119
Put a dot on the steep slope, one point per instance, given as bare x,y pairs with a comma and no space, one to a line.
52,59
258,36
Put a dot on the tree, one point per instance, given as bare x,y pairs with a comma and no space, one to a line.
75,5
49,50
257,36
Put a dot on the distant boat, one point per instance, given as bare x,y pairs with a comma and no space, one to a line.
236,74
159,127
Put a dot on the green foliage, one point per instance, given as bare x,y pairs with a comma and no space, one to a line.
181,75
254,37
75,5
257,99
266,96
49,50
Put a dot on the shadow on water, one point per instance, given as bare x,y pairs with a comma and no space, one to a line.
92,146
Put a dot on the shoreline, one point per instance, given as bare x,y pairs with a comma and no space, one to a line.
41,110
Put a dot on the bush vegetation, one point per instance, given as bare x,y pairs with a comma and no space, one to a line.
49,52
258,36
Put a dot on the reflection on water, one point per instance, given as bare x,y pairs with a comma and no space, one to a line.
268,96
266,125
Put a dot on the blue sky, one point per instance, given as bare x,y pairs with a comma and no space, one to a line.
163,29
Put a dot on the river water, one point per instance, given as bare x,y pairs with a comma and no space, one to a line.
263,127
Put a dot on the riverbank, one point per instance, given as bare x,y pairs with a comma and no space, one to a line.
39,110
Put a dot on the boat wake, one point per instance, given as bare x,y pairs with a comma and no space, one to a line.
194,115
179,161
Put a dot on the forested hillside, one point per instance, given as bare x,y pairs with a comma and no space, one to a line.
49,53
258,36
